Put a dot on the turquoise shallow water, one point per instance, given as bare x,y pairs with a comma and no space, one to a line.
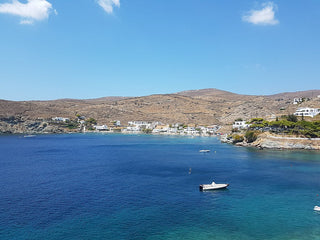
90,186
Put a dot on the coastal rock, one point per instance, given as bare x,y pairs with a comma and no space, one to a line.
225,139
202,107
272,141
18,126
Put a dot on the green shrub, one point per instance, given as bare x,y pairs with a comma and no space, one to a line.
254,120
72,125
237,138
288,124
147,131
235,130
91,121
250,136
292,118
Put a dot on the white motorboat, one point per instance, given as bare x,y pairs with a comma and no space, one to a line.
29,136
213,186
316,208
204,151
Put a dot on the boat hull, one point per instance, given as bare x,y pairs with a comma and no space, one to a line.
210,187
204,151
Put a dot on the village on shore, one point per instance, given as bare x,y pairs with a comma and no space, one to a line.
276,126
299,128
136,127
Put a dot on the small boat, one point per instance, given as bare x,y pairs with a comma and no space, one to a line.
316,208
204,151
29,136
213,186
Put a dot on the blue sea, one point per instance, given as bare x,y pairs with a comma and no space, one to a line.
96,186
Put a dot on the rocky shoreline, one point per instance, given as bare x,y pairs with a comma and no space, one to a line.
14,125
263,141
273,141
20,126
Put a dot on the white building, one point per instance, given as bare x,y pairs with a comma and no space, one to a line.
191,131
173,130
101,128
161,129
137,123
132,129
60,119
143,125
176,125
307,112
213,128
240,125
297,100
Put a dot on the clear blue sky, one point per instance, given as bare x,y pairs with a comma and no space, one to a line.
53,49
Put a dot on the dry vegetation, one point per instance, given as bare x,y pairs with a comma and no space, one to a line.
207,106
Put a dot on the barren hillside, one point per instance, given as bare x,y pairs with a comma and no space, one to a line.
206,106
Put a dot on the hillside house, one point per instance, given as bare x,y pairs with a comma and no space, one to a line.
240,125
191,131
297,100
173,130
101,128
132,129
140,124
161,128
211,129
116,123
60,119
143,125
307,112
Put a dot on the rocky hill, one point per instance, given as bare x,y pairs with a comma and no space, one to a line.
206,106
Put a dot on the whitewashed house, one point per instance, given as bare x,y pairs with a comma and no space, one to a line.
297,100
202,129
101,128
307,112
161,129
133,129
191,131
60,119
212,129
176,125
173,130
240,125
142,125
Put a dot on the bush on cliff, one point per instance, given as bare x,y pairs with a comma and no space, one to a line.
237,138
258,123
250,136
287,125
292,118
147,131
91,121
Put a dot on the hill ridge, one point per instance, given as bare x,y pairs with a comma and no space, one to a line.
202,106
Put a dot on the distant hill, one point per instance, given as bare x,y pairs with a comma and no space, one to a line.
299,94
208,92
205,106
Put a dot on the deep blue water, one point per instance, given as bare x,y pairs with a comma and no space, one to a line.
91,186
